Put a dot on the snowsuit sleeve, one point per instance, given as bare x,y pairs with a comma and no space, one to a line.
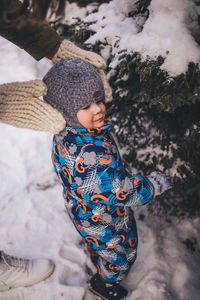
35,37
98,176
109,183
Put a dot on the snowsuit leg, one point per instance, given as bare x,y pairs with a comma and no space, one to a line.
117,249
115,262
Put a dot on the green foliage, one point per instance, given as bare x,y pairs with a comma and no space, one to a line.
83,3
141,8
196,30
156,86
156,118
160,135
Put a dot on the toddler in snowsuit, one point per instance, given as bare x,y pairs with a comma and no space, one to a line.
100,195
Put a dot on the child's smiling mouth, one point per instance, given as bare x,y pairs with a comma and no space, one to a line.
99,120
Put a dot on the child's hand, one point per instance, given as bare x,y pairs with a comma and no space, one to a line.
160,183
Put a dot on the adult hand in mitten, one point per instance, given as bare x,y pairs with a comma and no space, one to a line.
68,50
160,183
20,106
107,88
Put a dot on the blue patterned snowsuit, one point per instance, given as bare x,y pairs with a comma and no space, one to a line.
100,196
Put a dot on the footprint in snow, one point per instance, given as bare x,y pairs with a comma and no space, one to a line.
72,253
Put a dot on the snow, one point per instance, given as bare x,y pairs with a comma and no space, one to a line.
73,12
34,222
166,32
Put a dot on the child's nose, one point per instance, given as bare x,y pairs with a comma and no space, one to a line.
95,108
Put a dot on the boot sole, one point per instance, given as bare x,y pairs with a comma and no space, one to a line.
97,294
47,275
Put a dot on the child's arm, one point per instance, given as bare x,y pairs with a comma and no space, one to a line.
34,36
98,177
38,39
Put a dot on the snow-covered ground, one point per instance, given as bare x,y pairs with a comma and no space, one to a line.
34,223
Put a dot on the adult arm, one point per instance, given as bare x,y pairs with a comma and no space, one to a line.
34,36
38,39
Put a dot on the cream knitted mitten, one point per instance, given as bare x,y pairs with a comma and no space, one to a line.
20,106
68,50
107,88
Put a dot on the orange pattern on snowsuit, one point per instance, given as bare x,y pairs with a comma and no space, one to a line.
107,146
96,198
132,243
92,239
122,197
66,172
96,218
85,146
53,161
120,212
106,161
135,180
62,152
112,267
80,204
98,130
80,192
123,238
80,169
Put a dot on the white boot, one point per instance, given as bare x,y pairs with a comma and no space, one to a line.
19,272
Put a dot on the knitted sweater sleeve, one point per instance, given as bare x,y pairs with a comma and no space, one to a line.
35,37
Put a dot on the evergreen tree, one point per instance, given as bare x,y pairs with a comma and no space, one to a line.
156,115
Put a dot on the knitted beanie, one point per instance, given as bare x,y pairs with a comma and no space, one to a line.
71,85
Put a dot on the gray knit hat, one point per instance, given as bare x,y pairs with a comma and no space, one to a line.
72,84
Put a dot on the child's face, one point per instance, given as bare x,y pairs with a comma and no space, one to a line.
92,116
